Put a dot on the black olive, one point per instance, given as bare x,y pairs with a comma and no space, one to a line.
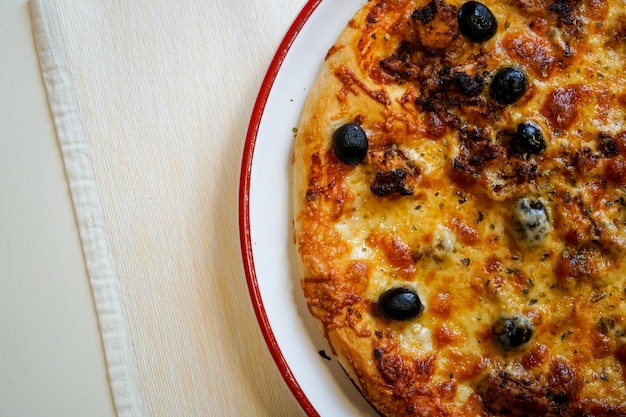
477,22
400,303
528,139
508,85
512,332
530,221
350,143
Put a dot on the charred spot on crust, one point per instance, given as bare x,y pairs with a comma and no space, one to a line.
517,395
445,89
461,78
478,162
564,10
399,63
476,149
424,15
468,86
516,392
608,146
395,172
387,183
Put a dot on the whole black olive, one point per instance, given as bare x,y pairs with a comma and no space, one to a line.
476,21
350,143
400,303
528,139
508,85
512,332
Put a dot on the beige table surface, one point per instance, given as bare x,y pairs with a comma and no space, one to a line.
51,355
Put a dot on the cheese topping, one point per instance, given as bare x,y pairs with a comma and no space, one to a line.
507,219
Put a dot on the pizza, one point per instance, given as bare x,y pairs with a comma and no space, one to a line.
460,206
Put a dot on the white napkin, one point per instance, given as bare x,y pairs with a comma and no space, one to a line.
151,101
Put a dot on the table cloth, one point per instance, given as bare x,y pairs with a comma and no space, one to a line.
151,101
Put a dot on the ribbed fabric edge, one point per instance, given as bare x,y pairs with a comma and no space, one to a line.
127,387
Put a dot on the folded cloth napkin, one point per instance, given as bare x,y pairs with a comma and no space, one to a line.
151,101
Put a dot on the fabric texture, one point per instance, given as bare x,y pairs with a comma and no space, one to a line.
151,101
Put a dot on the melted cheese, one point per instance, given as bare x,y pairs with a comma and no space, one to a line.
465,238
416,339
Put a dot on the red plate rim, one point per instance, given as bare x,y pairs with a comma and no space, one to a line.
244,205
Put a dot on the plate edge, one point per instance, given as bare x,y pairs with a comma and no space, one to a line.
244,205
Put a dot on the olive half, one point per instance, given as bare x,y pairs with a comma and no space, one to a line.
477,22
350,143
400,303
528,139
508,85
530,221
512,332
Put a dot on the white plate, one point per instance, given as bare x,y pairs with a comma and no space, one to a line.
265,216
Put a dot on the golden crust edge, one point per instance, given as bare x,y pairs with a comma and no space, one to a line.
321,102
